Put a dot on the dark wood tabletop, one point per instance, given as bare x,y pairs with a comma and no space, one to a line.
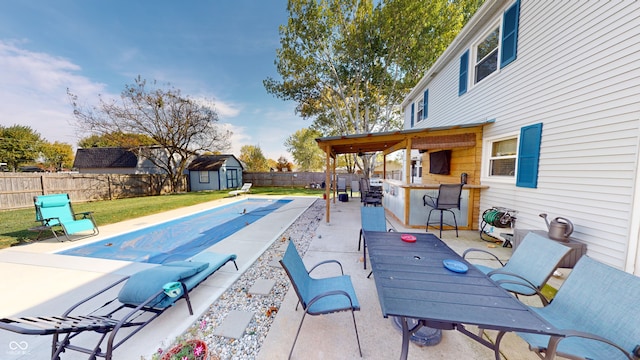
412,282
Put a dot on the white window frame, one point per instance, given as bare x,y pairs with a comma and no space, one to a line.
203,177
420,110
487,146
474,53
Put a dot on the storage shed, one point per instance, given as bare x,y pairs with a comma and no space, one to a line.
215,172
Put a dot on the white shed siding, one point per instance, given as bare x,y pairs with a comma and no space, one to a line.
577,72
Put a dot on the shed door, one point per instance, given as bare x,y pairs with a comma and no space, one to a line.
232,179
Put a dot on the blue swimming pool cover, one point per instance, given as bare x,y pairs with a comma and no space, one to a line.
181,238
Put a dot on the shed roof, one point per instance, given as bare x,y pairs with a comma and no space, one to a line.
107,157
209,162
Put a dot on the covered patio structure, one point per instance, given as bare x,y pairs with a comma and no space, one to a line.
464,141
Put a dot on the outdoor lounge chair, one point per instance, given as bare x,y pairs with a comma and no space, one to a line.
342,185
372,219
246,187
55,212
319,296
530,266
144,296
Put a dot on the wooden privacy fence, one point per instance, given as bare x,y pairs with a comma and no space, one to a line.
18,189
294,179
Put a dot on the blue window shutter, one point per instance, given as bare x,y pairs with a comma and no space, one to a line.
425,105
509,46
529,156
464,73
412,113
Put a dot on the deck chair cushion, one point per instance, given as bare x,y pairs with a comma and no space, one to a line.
142,285
55,202
196,266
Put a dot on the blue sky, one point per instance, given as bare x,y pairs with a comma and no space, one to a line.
217,49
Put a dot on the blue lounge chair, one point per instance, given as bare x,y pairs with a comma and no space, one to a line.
144,296
55,212
530,265
319,296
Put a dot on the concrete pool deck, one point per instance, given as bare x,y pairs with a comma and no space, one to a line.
38,282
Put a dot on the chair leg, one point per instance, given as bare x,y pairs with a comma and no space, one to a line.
356,328
297,333
429,219
360,240
441,216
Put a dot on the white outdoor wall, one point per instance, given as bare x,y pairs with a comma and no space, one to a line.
577,72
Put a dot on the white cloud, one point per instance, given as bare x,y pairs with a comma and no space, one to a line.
33,91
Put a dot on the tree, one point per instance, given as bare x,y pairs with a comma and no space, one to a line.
179,125
57,156
348,64
19,144
306,153
284,164
116,139
253,159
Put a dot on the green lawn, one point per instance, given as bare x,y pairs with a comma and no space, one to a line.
14,224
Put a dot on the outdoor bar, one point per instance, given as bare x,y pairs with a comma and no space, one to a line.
402,199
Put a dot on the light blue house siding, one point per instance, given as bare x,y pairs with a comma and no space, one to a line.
576,75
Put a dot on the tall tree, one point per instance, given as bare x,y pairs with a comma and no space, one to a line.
57,156
179,125
348,64
306,153
253,158
116,139
19,144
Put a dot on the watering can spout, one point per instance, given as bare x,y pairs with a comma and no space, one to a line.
544,216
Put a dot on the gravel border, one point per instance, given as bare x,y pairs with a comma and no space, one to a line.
263,307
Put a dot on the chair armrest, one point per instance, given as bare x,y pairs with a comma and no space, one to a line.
482,251
586,335
85,214
330,293
528,285
46,221
327,262
69,310
428,200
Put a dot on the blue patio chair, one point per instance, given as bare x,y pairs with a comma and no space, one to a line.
55,212
597,306
319,296
530,265
372,219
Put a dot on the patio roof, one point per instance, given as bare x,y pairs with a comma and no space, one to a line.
422,139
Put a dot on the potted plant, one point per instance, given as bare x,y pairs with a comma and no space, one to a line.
194,349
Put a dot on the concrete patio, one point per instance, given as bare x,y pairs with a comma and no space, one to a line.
332,336
36,281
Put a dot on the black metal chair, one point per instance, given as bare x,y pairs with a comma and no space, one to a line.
448,198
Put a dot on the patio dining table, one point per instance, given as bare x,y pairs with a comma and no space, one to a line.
412,282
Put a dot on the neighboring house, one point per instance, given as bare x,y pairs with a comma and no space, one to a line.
558,85
112,160
215,172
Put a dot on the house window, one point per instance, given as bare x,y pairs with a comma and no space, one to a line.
487,55
420,110
502,161
204,177
493,51
514,158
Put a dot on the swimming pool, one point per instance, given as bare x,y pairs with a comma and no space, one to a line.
181,238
